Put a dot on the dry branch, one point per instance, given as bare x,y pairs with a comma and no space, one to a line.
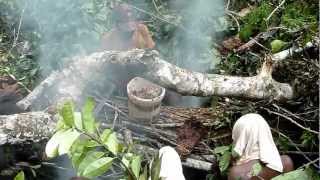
72,80
280,56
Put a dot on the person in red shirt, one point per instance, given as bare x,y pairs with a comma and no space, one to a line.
128,32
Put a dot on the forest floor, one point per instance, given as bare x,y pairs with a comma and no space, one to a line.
30,50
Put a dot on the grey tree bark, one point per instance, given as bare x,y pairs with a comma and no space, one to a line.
74,78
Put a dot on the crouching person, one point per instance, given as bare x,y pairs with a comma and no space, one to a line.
253,143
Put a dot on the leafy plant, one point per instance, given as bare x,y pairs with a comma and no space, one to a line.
301,174
255,21
92,152
309,139
223,154
19,176
277,45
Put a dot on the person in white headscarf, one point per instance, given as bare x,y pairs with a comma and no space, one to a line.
171,167
253,143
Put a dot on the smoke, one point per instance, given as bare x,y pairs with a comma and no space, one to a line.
201,24
63,28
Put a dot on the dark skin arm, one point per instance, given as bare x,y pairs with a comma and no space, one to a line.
242,171
268,173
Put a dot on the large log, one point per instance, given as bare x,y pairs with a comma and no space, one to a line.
73,79
26,127
38,127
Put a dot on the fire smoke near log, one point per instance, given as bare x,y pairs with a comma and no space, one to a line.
72,80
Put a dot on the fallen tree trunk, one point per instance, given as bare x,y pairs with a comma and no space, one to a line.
72,81
31,126
38,127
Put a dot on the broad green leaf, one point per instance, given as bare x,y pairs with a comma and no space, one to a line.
277,45
66,112
67,140
87,116
221,149
312,173
155,168
144,175
234,154
224,161
136,165
112,143
105,134
78,120
98,167
299,174
93,143
52,145
19,176
60,124
256,169
78,152
126,159
89,158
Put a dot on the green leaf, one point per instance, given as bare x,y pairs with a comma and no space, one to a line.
78,120
126,159
297,174
66,140
256,169
105,134
87,116
277,45
144,175
89,158
19,176
155,168
98,167
136,165
93,143
111,142
78,152
60,124
221,149
52,145
312,173
67,113
224,161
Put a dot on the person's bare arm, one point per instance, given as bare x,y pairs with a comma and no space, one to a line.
267,173
142,38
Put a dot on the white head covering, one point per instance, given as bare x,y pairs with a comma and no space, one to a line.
171,168
252,138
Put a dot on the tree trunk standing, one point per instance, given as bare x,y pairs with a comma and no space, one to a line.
72,80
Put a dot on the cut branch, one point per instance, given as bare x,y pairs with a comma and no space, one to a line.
72,80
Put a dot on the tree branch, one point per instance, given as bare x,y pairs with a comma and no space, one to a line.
72,80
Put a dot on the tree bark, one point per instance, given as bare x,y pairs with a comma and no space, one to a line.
73,79
21,128
37,127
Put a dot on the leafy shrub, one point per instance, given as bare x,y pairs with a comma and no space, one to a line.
92,152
